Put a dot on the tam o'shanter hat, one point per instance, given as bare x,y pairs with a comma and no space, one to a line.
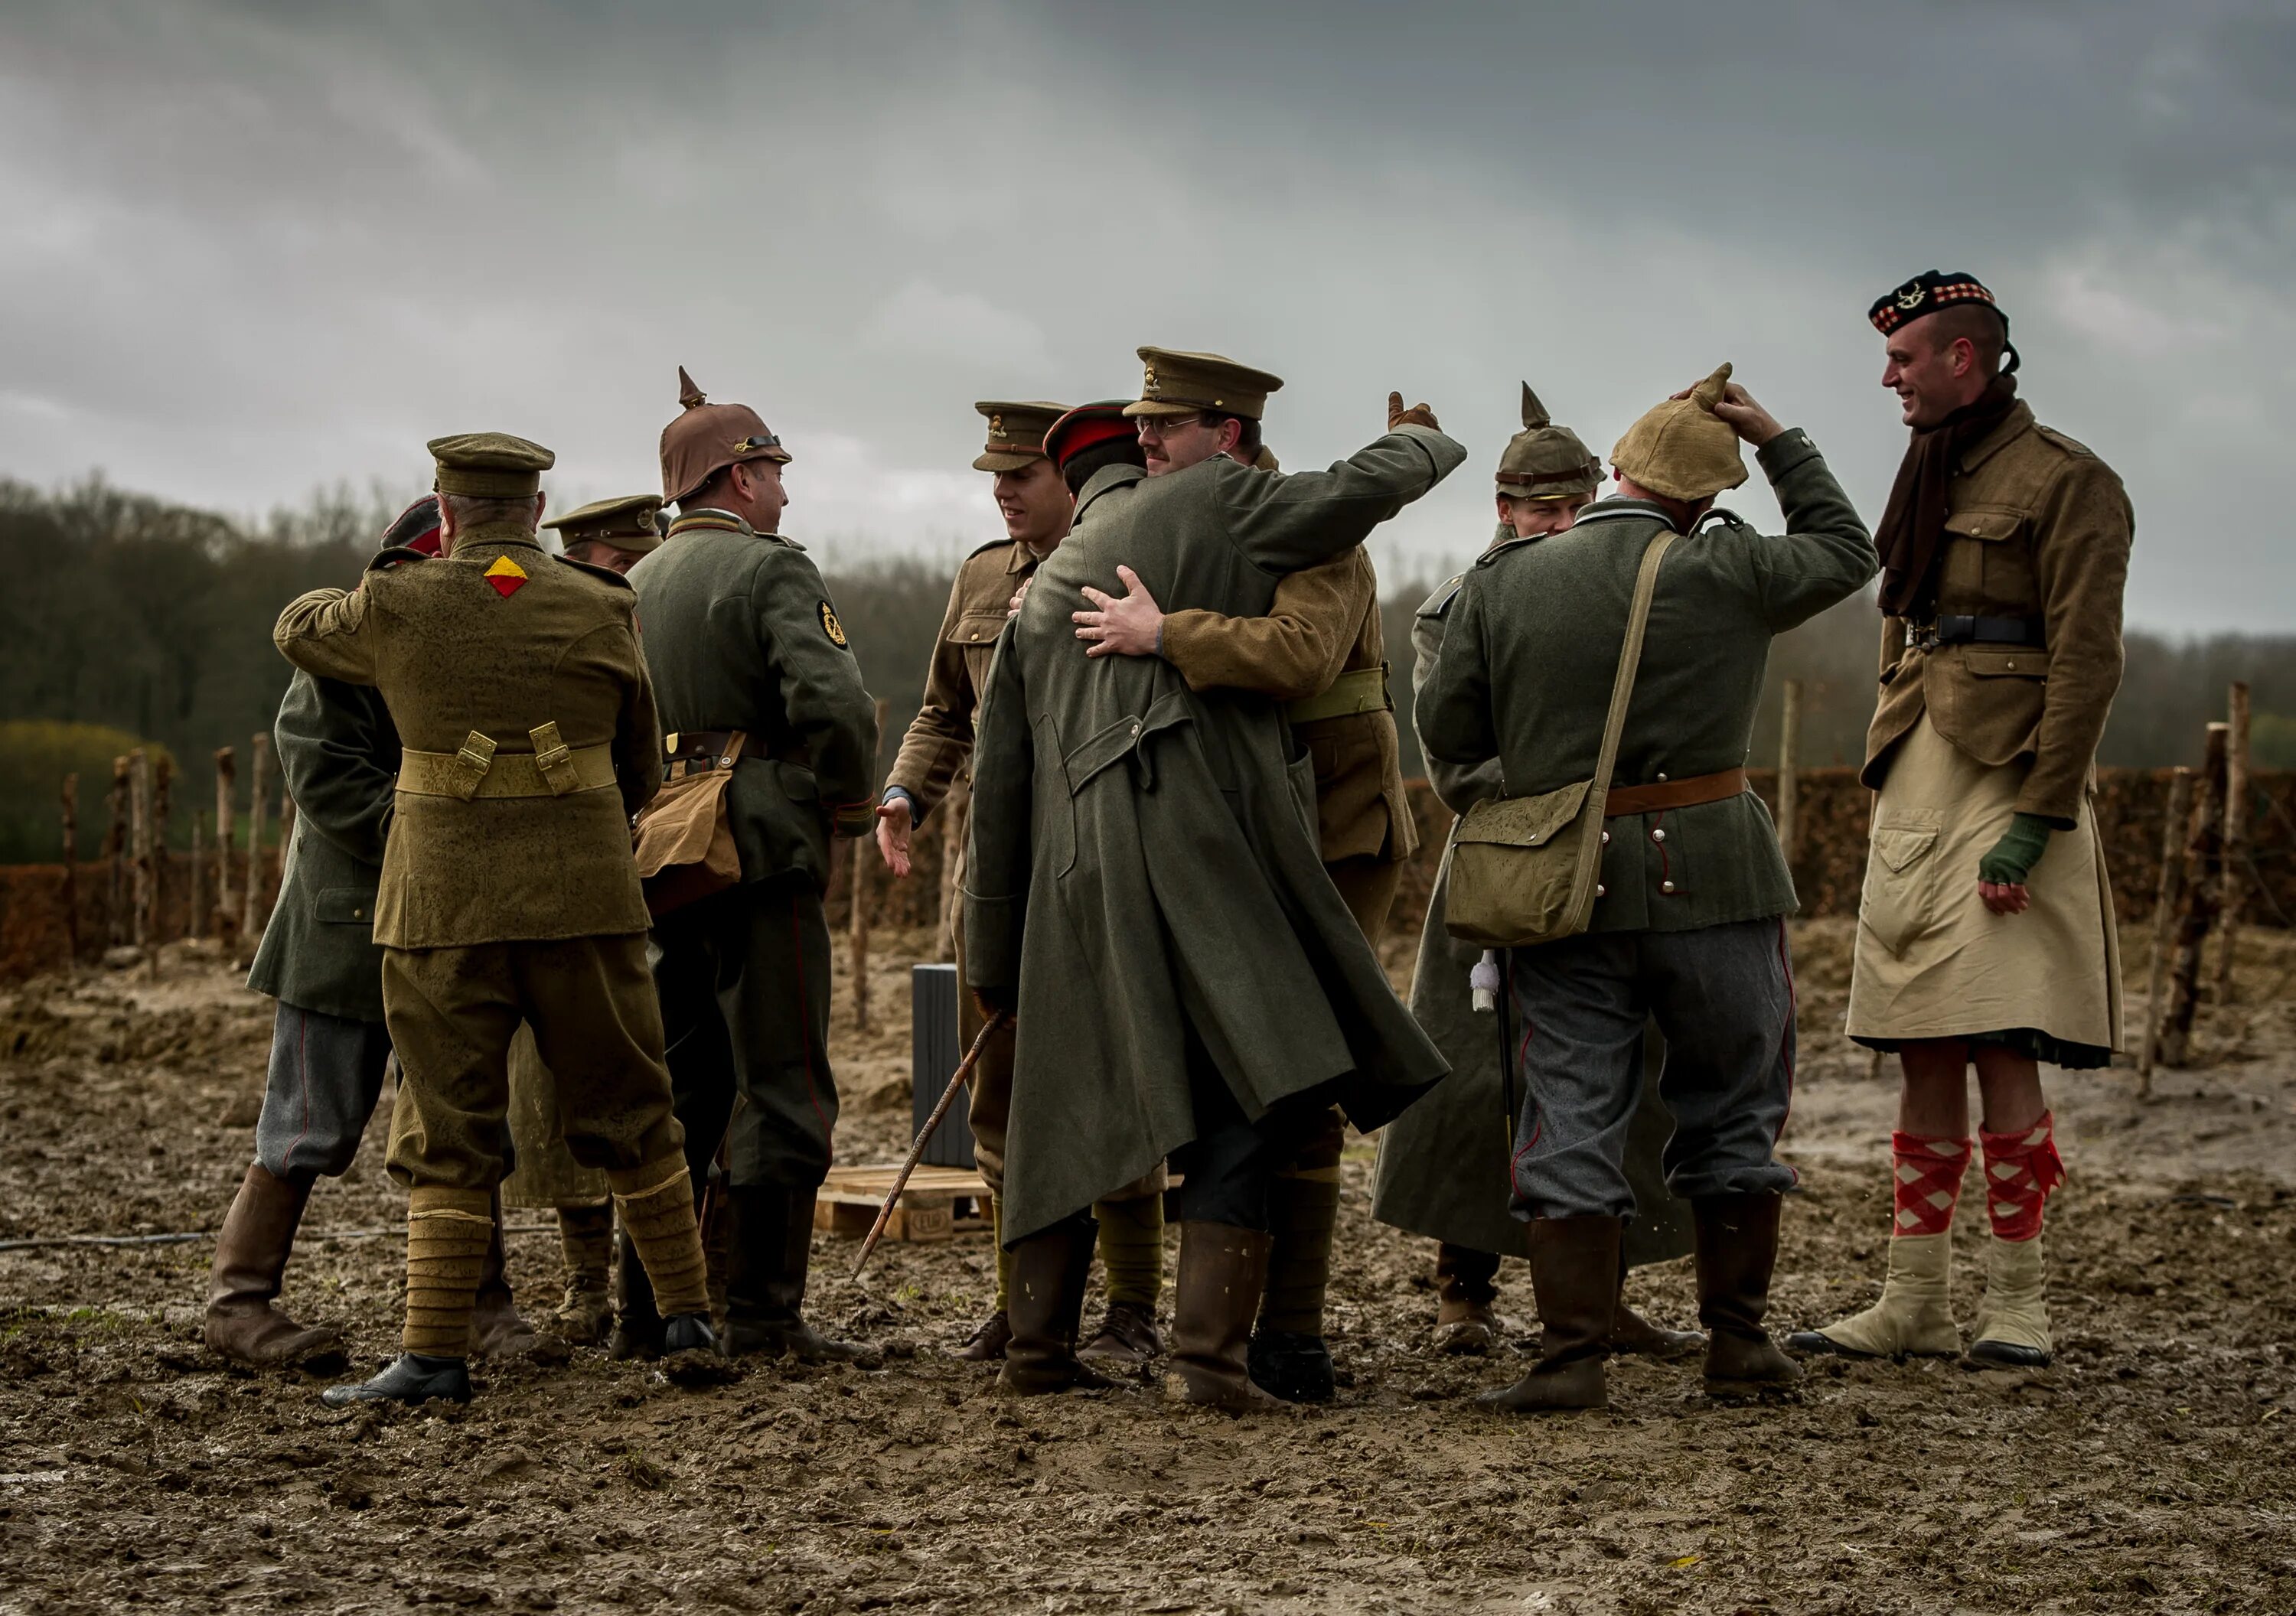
1016,432
1681,448
1932,291
1176,382
626,522
1087,427
1544,461
489,465
706,439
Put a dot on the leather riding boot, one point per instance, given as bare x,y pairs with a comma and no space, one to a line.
1223,1274
585,1236
250,1257
496,1328
1465,1319
1633,1336
410,1378
1045,1308
1574,1278
637,1326
716,1212
764,1293
1737,1249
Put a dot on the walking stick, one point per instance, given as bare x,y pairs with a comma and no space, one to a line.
916,1151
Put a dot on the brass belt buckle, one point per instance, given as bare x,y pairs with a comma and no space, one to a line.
472,759
552,759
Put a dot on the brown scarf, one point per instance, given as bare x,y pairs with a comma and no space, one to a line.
1913,526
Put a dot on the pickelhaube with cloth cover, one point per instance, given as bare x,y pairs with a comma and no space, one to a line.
625,522
706,439
1681,448
1544,461
1174,382
489,465
1016,432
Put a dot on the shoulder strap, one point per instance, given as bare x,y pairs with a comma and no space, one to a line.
1630,657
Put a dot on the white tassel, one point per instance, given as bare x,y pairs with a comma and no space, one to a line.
1484,979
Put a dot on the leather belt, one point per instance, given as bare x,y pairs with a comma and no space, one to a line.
1674,793
702,750
1362,690
552,769
1986,630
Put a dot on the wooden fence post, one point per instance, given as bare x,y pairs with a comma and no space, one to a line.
253,915
1789,761
195,917
2165,899
115,854
71,874
2203,836
227,766
139,821
163,780
2234,853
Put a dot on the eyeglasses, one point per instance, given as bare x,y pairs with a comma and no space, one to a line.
1159,425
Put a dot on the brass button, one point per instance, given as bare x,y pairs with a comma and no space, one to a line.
2011,664
1602,891
1606,838
1661,777
1135,731
1659,834
1667,887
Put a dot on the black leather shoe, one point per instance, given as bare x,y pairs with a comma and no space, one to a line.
2008,1354
410,1378
1295,1368
688,1332
1817,1343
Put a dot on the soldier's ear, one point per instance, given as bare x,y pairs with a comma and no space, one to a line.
541,504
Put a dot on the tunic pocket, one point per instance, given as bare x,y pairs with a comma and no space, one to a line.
1899,899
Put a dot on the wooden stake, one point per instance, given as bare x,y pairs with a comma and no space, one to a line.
227,810
115,854
195,916
2235,854
2166,897
252,914
163,780
1789,761
139,819
72,873
2203,839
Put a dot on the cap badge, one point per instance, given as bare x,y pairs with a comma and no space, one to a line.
996,425
831,626
1911,298
1148,383
506,576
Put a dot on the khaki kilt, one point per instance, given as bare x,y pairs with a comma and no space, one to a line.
1931,962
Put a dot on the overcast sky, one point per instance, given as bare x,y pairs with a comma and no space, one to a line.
249,249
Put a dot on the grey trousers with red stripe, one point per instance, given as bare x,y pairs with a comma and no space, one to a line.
325,1077
743,978
1723,995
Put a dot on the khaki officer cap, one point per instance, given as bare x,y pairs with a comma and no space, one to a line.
1016,432
1178,383
489,465
708,438
1544,461
625,523
1681,448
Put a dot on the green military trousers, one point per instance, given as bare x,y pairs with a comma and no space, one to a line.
744,983
452,1013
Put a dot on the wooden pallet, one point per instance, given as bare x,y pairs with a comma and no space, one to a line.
938,1204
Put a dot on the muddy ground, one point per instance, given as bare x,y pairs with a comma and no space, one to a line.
2150,1469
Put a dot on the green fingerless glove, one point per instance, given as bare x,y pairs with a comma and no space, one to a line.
2021,848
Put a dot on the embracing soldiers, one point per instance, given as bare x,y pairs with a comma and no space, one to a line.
1687,920
1145,887
1443,1164
508,892
1985,933
1037,506
753,675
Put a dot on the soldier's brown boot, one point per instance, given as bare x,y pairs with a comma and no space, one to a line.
252,1251
637,1324
1045,1307
1127,1339
1737,1251
765,1297
1223,1274
1574,1277
497,1329
1465,1319
1635,1336
586,1237
994,1333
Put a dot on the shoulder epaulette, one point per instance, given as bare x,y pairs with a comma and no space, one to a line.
993,544
603,573
396,555
1440,602
2071,445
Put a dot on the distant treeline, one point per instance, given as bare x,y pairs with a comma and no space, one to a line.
127,612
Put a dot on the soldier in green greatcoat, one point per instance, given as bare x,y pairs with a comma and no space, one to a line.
1145,889
1688,921
1443,1164
509,892
741,641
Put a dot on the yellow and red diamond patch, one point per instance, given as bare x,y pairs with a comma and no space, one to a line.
506,576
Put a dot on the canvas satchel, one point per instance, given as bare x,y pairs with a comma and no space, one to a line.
1524,869
684,836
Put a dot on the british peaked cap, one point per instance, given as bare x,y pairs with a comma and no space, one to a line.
489,465
626,522
1176,382
1016,432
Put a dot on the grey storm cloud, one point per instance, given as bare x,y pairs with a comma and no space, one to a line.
254,249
